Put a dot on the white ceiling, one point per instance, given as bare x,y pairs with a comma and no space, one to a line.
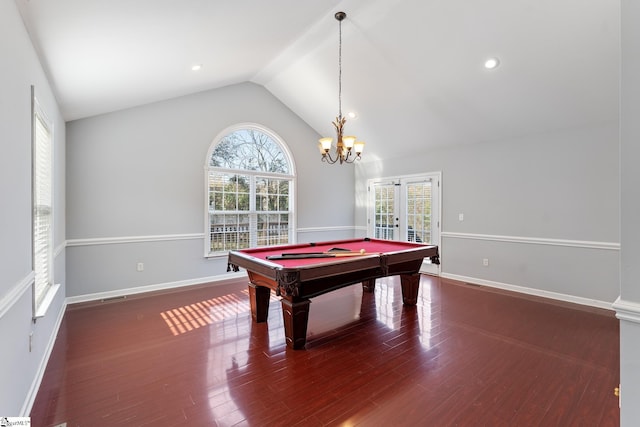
412,69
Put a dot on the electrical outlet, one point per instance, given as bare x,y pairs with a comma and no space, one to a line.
485,262
461,217
140,266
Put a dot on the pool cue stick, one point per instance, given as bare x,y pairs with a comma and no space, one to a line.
302,255
341,254
329,253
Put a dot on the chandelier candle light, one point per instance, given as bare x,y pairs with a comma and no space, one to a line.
347,149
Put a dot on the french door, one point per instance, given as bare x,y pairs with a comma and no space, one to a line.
406,209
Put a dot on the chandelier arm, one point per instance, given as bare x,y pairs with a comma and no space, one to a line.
327,158
342,158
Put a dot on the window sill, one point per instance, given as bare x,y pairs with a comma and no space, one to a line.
41,311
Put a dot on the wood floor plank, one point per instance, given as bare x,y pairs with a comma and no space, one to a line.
464,355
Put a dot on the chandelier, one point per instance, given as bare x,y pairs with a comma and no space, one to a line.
347,149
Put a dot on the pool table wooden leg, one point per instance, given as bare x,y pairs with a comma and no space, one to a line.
296,317
410,286
259,300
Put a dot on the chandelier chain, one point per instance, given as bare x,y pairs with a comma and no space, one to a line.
340,69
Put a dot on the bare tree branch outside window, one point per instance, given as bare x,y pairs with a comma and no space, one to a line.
249,149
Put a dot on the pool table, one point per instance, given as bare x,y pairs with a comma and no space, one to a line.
302,271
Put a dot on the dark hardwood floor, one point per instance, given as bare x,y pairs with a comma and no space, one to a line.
464,356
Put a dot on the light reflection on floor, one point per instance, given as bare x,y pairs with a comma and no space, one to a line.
327,312
426,317
189,317
385,302
334,309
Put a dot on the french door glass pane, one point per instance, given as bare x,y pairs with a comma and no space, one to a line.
384,211
419,212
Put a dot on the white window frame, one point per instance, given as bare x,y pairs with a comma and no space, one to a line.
42,183
253,175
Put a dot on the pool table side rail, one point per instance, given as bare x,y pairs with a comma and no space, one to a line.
335,266
311,280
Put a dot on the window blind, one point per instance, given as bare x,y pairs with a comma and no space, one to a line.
42,206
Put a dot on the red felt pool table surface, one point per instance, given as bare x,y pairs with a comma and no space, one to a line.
297,280
372,247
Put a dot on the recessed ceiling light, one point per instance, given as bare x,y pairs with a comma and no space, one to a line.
196,67
491,63
352,115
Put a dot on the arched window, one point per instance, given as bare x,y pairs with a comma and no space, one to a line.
250,188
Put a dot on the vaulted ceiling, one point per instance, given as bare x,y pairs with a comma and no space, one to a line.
412,69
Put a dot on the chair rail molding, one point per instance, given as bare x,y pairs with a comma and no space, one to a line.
627,310
10,298
613,246
133,239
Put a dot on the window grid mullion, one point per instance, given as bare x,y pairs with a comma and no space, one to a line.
253,217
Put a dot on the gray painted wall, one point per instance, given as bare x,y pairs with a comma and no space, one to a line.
558,193
20,368
138,174
629,301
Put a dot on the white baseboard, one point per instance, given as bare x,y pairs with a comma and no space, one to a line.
531,291
35,385
630,308
221,279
